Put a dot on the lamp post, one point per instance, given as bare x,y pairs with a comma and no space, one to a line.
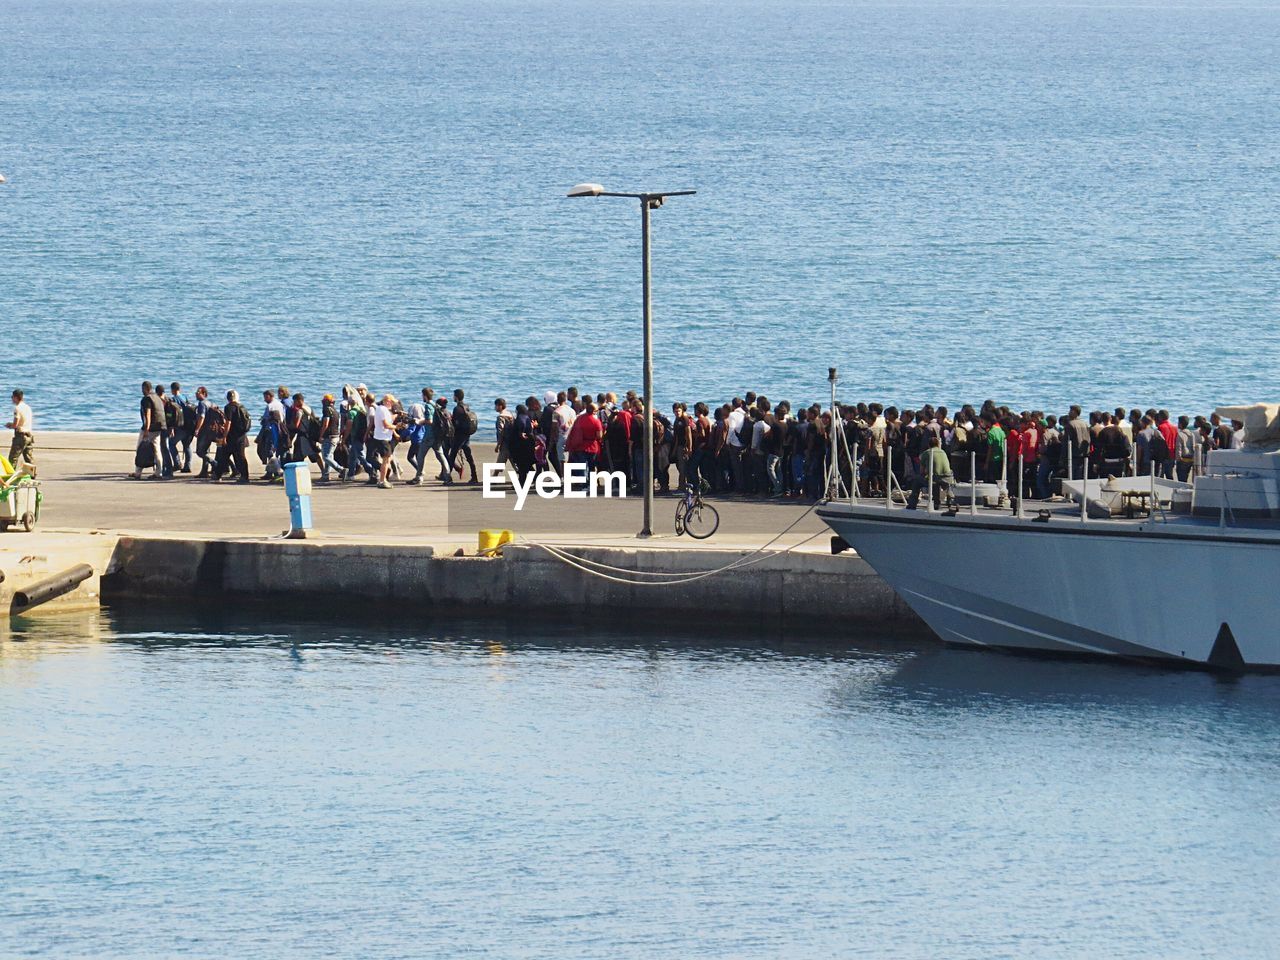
648,201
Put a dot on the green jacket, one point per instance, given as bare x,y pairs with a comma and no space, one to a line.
941,465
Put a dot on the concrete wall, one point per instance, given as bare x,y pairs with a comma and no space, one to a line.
26,559
796,587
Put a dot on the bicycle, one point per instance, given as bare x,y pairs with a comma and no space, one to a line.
694,517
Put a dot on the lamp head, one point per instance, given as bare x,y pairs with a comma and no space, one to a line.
586,190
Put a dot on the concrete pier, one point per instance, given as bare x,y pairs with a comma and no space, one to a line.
786,588
417,547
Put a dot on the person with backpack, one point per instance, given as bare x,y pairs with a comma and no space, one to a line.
330,437
502,420
167,422
182,429
203,429
464,427
354,424
549,430
417,424
304,426
234,441
442,438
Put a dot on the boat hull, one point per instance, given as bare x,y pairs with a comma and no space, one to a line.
1077,590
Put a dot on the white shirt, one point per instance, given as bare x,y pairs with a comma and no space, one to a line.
383,421
564,419
22,417
735,424
276,409
758,433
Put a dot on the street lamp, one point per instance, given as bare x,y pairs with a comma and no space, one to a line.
648,201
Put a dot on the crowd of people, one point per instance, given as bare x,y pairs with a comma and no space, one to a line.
748,446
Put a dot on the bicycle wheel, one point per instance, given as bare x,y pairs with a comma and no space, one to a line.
702,521
679,519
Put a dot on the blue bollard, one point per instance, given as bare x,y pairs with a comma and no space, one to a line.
297,485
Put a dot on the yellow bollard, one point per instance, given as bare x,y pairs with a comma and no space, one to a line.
491,542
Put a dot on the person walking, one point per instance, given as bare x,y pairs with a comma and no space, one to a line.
23,446
353,430
442,438
417,424
464,426
151,413
182,432
384,423
330,437
521,442
168,423
502,420
235,441
201,431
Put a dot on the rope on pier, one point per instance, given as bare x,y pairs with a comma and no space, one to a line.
598,569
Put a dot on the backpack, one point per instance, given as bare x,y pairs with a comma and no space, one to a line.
1158,447
359,422
744,431
172,415
240,420
215,422
311,425
442,423
190,414
473,424
617,429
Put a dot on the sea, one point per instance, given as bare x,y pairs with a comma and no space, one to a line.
241,783
1035,201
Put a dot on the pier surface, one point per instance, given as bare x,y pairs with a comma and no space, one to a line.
418,545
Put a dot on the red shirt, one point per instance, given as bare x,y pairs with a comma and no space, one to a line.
1014,443
584,435
1030,442
1170,434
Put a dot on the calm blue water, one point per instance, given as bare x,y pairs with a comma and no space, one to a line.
1035,201
205,786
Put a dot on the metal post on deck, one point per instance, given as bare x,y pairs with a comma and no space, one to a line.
1070,460
888,479
1021,474
853,478
973,483
929,479
1084,495
1004,468
833,474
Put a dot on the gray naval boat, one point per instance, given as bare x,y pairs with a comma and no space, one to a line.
1135,567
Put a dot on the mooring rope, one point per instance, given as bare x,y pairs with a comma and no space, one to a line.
597,569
